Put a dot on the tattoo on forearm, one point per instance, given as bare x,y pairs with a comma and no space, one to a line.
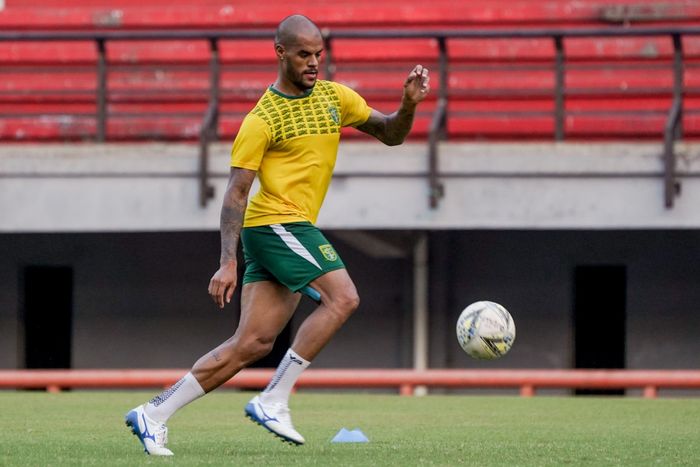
231,223
390,129
399,123
215,354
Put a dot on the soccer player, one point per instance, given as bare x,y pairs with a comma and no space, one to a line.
289,141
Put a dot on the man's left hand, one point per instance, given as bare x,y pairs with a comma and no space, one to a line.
417,85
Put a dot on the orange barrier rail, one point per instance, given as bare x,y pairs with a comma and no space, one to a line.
528,381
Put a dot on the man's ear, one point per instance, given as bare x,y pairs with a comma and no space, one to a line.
279,51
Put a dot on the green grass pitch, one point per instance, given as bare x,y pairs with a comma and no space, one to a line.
87,428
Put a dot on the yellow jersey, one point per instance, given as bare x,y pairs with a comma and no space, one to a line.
292,143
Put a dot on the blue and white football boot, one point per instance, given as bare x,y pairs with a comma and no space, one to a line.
153,435
275,418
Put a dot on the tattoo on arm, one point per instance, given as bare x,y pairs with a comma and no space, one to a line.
215,354
233,211
390,129
231,223
374,126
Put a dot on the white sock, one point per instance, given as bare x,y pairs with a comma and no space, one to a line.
163,406
288,371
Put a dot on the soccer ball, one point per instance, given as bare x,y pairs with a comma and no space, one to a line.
485,330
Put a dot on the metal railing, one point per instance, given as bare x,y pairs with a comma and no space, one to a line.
672,129
209,128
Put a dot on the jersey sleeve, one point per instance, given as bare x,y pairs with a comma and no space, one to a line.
354,110
251,143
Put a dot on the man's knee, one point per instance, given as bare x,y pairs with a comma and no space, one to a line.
339,293
255,347
346,302
352,301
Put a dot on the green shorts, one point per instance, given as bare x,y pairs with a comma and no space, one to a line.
292,254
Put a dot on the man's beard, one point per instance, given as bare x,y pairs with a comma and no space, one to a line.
298,81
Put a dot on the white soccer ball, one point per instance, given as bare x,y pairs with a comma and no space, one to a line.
485,330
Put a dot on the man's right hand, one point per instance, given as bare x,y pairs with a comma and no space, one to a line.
223,283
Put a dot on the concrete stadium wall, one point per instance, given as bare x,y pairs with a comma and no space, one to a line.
532,274
515,221
140,298
153,187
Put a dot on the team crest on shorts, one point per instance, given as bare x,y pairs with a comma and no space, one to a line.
334,114
328,252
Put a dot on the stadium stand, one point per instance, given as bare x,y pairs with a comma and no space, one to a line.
614,87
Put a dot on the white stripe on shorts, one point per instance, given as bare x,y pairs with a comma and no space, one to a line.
294,244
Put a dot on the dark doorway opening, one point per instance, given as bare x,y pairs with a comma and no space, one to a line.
600,303
47,311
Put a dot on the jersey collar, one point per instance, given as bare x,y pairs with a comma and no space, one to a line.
287,96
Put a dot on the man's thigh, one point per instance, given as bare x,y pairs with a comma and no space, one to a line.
266,307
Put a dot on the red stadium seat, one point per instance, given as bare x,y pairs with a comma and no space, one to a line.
497,88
